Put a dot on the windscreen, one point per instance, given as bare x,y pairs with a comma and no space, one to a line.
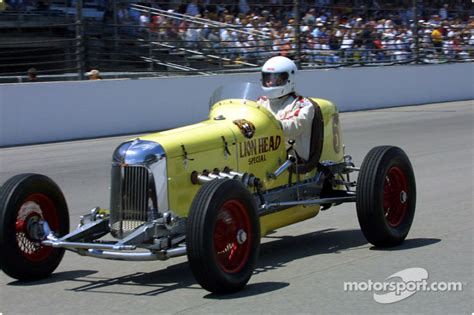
246,91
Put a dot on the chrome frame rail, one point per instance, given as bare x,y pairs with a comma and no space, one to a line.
57,243
92,228
142,256
277,206
114,251
309,202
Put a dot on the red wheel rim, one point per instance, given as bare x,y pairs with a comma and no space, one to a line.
35,207
232,236
395,196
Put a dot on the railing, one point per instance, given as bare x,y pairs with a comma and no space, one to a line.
131,40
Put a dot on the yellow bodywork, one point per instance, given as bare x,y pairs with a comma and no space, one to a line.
218,143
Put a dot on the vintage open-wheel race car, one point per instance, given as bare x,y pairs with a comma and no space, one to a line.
209,191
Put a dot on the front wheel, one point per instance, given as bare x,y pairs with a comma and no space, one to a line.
386,196
26,201
223,236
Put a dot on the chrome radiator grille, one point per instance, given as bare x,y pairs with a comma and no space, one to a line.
129,198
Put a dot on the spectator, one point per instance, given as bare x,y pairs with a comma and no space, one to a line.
437,39
400,52
94,74
319,30
379,49
443,12
310,17
346,46
156,21
425,34
244,6
214,40
192,35
144,21
122,14
32,75
192,8
182,28
367,36
389,44
448,47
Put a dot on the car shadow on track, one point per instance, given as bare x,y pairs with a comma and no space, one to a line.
409,244
276,252
57,277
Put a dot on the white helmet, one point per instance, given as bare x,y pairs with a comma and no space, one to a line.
278,77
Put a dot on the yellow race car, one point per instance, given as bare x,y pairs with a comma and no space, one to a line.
209,191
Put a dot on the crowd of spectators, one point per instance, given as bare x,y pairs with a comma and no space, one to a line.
24,5
323,32
329,31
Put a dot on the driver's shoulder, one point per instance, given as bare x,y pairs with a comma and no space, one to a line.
302,101
262,99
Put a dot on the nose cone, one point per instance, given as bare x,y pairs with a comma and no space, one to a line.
138,152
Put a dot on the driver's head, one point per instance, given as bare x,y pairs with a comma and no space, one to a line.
278,77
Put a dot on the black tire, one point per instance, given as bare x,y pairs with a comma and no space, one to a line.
222,257
25,199
386,196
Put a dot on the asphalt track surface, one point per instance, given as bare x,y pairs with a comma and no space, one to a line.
302,268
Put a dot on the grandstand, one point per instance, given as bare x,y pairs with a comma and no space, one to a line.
63,39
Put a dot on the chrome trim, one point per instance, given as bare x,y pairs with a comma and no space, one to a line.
109,251
143,256
309,202
353,169
78,245
146,256
138,152
132,188
202,179
176,252
136,186
133,155
283,167
161,248
160,176
139,235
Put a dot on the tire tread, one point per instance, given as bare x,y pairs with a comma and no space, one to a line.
204,267
368,202
11,262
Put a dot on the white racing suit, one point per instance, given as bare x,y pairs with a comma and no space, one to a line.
296,116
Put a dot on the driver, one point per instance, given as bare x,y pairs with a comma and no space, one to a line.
295,112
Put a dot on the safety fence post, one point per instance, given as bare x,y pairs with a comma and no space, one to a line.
79,41
416,36
296,13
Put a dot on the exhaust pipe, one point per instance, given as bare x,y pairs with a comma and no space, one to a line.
206,176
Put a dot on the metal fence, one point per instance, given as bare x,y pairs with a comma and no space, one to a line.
150,38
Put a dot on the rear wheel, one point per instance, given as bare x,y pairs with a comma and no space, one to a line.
223,236
386,196
26,201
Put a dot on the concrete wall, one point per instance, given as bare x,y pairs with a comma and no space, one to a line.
43,112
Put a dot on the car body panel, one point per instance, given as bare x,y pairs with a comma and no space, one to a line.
219,143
